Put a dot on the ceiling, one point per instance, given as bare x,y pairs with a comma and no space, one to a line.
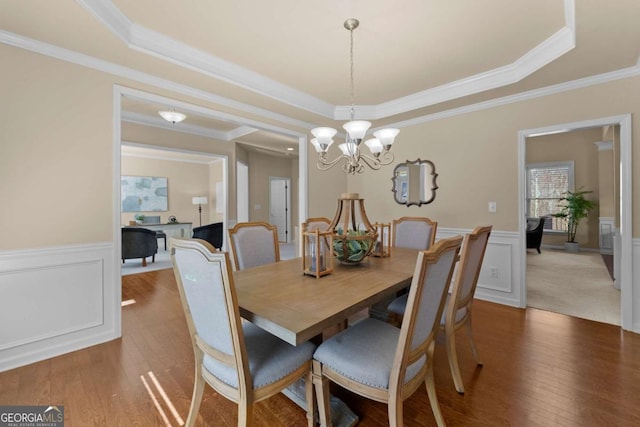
266,72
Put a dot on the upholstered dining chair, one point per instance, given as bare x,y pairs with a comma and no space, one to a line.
319,223
414,232
253,244
382,362
458,305
237,359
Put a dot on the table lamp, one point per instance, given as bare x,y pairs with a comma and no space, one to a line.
200,200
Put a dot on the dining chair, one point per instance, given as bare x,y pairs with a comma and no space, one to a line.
414,232
318,223
383,362
237,359
253,244
458,304
458,308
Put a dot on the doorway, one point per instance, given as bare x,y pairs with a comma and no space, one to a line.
279,206
623,205
242,195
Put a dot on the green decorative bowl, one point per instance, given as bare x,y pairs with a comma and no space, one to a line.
353,247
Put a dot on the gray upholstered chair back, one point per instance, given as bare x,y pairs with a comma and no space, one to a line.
435,282
472,255
254,244
202,279
414,232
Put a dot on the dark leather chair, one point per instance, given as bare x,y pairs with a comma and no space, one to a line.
535,228
139,243
212,233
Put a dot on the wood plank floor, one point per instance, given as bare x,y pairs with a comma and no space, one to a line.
540,369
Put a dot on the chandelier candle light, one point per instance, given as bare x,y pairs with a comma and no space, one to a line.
354,160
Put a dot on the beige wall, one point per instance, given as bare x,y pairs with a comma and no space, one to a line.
63,165
579,147
159,137
56,168
261,168
476,156
184,180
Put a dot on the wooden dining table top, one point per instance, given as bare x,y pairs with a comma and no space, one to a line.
296,307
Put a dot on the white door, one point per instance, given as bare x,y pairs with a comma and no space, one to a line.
242,195
279,199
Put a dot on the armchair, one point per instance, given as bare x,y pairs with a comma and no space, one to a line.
139,243
535,228
212,233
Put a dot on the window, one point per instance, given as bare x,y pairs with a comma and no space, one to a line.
546,184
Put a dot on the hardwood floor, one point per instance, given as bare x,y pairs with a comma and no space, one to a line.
540,369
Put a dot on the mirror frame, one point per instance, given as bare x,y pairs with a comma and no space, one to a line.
434,186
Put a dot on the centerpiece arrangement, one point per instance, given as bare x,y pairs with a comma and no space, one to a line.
353,235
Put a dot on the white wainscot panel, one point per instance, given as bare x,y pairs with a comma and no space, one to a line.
56,300
496,268
45,302
498,276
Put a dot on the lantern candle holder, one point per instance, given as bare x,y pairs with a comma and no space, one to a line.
317,256
382,246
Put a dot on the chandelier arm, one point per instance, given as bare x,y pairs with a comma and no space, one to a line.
326,165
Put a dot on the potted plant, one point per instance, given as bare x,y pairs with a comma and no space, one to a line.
139,218
575,207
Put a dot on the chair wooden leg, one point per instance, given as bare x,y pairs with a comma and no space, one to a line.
322,393
394,408
144,262
311,404
474,350
431,389
452,355
245,413
196,399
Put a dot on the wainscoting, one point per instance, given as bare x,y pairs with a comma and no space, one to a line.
56,300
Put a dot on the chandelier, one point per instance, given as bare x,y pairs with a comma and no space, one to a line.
352,159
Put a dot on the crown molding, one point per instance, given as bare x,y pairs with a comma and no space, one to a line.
160,46
240,132
158,122
524,96
87,61
164,153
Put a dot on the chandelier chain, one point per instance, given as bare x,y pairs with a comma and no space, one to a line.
352,81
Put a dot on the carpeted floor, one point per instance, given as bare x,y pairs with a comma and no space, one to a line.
575,284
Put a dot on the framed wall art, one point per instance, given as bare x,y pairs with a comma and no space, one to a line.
144,194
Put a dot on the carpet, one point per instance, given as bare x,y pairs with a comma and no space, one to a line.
574,284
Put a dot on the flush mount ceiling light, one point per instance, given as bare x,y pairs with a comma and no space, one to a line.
172,116
353,160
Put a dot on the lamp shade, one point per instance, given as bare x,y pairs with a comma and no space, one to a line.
348,148
357,128
201,200
374,145
386,136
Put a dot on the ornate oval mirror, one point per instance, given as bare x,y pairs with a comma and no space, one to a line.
414,182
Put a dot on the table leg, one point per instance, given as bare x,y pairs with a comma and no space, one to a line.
341,415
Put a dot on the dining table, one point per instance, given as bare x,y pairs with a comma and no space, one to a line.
279,298
296,307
